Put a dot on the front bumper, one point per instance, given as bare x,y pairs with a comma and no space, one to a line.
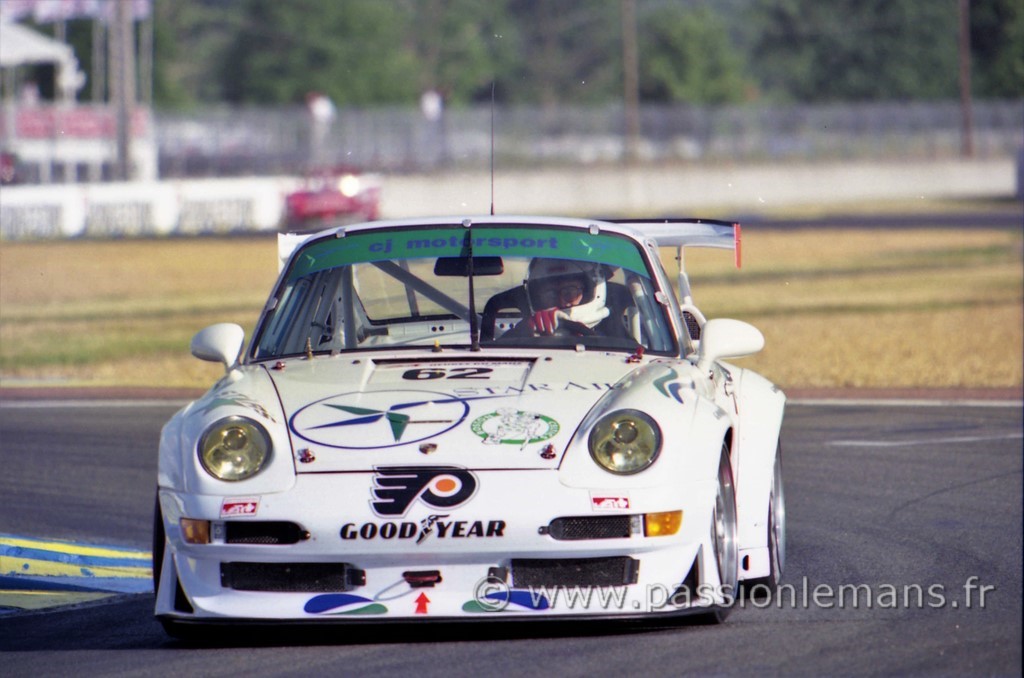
524,545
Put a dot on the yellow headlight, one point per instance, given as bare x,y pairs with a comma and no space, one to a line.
234,448
625,442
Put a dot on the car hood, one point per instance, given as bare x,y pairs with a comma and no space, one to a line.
346,414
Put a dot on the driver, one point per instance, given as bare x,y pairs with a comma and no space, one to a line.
562,290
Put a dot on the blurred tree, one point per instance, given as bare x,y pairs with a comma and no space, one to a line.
354,52
854,50
461,46
997,48
369,52
687,56
570,52
190,39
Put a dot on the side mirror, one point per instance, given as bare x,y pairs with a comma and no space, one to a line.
727,338
220,343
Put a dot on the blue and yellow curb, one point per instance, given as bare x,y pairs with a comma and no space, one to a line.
41,573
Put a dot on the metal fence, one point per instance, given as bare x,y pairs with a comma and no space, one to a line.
267,141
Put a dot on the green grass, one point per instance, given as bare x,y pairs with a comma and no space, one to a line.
875,308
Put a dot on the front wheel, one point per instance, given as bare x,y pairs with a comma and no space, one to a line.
777,525
159,543
723,539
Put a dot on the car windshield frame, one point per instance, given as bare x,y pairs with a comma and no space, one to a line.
343,292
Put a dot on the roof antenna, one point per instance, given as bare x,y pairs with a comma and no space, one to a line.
474,321
492,148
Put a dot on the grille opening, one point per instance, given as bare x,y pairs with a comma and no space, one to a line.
614,571
291,577
265,532
692,326
589,527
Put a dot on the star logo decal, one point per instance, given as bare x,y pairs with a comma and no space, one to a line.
427,413
366,415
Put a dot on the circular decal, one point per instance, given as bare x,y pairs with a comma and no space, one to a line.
445,486
376,419
514,427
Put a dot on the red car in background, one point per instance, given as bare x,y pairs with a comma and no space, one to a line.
331,196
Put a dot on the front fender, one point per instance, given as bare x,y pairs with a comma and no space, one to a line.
246,392
761,405
692,429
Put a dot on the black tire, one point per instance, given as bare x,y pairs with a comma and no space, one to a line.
159,543
724,531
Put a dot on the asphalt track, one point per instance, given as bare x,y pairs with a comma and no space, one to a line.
904,559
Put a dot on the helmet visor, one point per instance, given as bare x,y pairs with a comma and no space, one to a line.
561,291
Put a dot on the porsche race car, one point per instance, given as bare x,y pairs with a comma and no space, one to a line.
481,418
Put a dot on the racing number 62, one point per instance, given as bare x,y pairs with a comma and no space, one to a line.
453,373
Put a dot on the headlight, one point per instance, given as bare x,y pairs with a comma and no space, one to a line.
349,185
234,448
625,442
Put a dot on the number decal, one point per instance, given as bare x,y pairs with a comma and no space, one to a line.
454,373
470,373
417,375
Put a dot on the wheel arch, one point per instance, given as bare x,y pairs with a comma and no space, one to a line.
755,441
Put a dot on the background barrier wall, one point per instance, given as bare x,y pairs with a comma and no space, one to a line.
257,204
653,190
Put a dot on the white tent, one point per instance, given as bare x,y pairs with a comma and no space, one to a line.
21,46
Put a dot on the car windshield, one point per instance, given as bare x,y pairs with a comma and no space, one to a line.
531,286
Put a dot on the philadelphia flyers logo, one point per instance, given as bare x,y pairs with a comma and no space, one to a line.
397,488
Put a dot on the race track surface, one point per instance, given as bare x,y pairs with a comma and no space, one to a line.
905,524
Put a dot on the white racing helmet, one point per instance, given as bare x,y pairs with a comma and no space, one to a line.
550,273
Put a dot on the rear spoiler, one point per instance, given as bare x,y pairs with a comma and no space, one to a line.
680,233
689,233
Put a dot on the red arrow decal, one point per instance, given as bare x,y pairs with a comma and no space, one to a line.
421,603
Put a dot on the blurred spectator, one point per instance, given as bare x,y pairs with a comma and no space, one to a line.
322,111
28,96
7,164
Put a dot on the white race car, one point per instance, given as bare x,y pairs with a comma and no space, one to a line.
488,418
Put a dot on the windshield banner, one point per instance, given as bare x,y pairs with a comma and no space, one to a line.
605,248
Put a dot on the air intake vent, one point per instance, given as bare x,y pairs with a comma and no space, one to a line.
616,571
291,577
589,527
277,533
692,326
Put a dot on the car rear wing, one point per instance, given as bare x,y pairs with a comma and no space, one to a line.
680,233
689,233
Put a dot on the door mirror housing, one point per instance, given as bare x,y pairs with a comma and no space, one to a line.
219,343
727,338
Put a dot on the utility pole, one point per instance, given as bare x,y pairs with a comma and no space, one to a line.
122,84
99,61
630,79
966,114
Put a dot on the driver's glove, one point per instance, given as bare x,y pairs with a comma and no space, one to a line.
546,321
